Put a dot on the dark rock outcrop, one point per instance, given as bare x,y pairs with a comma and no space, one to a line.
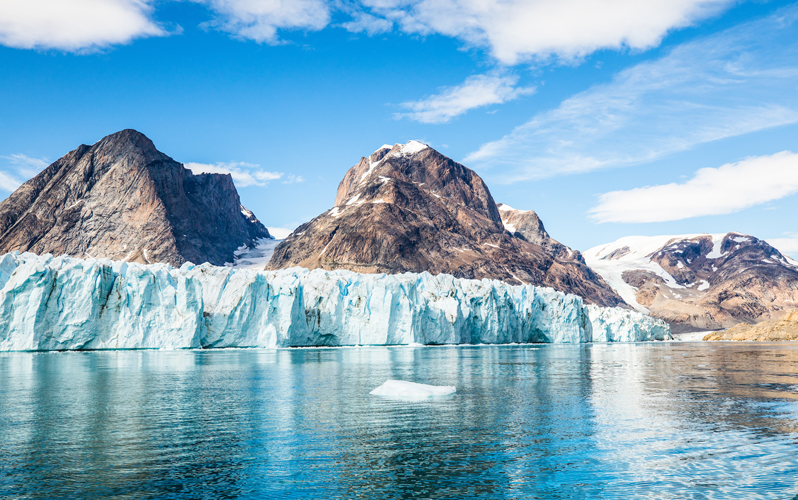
408,208
700,282
123,199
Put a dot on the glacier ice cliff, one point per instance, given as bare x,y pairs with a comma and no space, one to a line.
57,303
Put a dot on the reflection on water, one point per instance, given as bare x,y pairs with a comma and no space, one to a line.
664,420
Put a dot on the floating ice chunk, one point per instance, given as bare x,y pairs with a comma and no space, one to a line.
411,390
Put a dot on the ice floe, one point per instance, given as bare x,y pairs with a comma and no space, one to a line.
410,390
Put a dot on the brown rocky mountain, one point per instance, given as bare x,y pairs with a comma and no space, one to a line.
123,199
526,224
408,208
700,282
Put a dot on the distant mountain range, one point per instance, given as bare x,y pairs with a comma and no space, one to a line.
700,281
408,208
404,208
124,200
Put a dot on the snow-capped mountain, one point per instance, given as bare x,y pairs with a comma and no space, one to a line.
123,199
408,208
699,281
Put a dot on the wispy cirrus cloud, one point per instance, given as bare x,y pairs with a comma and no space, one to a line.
75,25
17,168
477,91
243,174
735,82
26,165
712,191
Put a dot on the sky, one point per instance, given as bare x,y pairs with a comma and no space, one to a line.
608,118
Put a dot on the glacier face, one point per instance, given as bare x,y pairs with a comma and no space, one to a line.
57,303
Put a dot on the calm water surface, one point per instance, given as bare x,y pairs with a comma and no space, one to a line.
662,420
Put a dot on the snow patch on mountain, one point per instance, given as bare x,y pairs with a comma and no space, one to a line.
256,257
280,233
413,147
629,254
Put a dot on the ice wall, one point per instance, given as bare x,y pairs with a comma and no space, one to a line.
51,303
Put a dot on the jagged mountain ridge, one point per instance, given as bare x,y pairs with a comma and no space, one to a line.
700,281
123,199
408,208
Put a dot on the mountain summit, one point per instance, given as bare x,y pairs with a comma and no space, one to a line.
123,199
408,208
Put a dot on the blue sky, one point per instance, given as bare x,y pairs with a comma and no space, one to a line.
608,118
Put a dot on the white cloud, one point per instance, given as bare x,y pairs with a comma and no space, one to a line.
787,245
74,25
712,191
293,179
22,168
259,20
475,92
512,30
366,23
521,30
9,182
736,82
244,174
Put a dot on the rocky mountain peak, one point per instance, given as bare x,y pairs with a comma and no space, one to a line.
523,223
127,143
123,199
407,207
406,172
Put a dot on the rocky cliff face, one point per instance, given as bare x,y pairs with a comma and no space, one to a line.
124,200
408,208
524,224
700,282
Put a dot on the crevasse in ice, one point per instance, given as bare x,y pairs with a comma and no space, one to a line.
55,303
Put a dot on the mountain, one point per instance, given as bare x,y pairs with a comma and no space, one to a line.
124,200
699,281
408,208
524,223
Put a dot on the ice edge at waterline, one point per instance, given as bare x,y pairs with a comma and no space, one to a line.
63,303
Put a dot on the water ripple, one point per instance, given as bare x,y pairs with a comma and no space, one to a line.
659,421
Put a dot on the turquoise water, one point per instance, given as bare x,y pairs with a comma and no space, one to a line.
653,420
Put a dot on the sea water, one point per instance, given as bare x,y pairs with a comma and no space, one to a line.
648,420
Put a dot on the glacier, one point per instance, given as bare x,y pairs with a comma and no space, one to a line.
63,303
